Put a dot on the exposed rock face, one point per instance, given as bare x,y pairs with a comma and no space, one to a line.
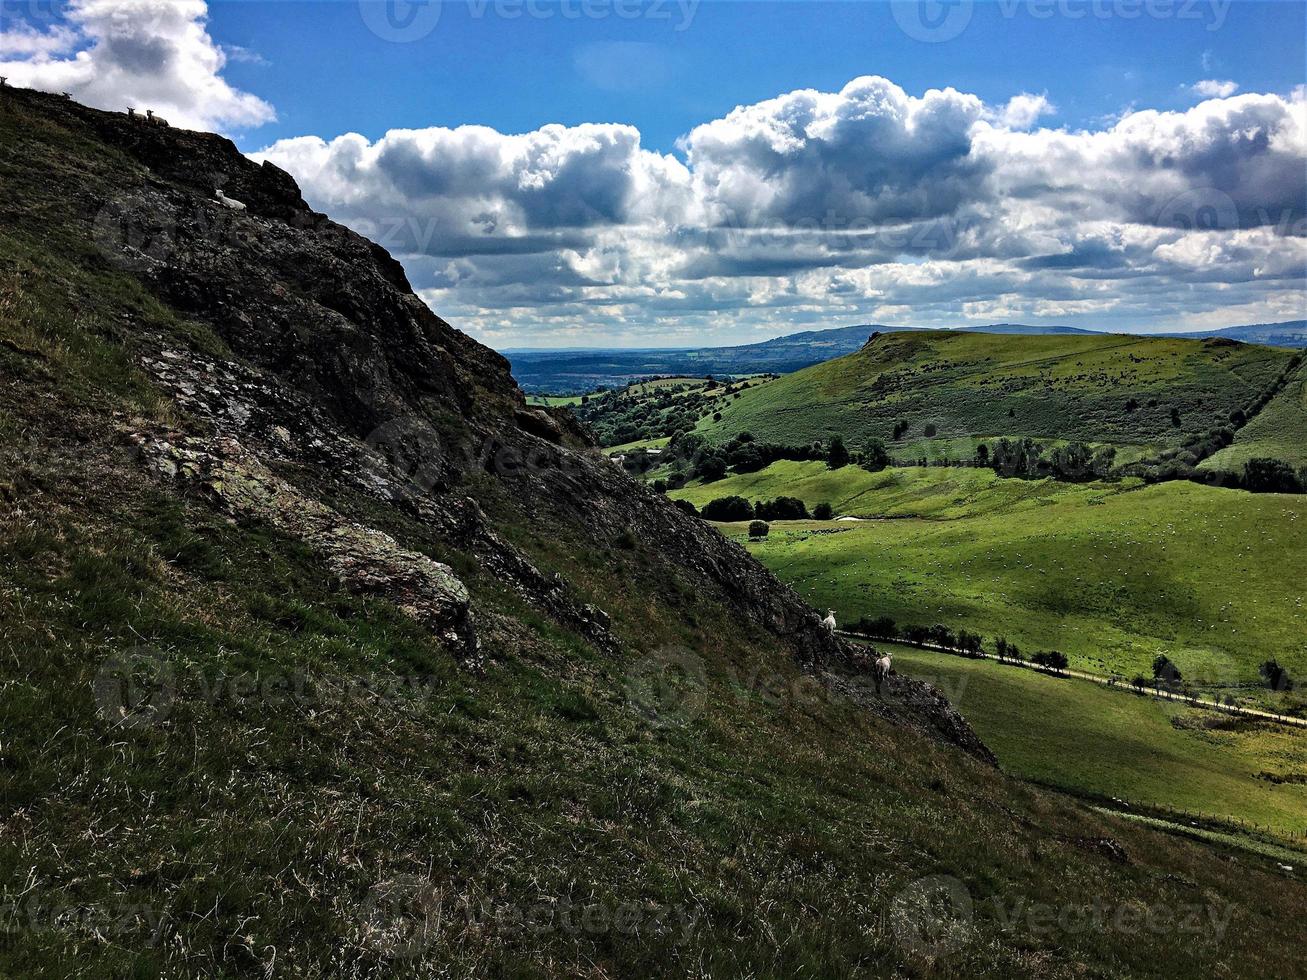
337,369
365,560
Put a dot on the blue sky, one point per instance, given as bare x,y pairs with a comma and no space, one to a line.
671,172
328,74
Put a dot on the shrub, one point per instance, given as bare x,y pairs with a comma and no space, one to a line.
875,457
1270,476
1275,676
1052,659
931,430
838,455
759,529
686,506
1165,671
781,509
728,509
823,512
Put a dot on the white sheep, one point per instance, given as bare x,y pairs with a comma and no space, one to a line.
880,670
829,621
154,120
224,199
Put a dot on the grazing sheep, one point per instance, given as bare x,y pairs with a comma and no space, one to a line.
224,199
829,621
880,671
154,120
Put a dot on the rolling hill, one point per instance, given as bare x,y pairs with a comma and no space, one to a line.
325,655
1111,574
1278,431
1138,393
575,372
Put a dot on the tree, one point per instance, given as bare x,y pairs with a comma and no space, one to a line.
1175,417
982,455
759,529
686,506
1000,647
875,457
710,468
781,509
1052,659
1165,672
1275,676
744,437
930,430
837,455
1270,476
823,512
728,509
901,428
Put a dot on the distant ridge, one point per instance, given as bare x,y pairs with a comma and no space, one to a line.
581,370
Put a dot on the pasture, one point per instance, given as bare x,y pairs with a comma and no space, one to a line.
1085,739
1112,574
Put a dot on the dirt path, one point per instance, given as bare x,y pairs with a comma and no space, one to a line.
1108,682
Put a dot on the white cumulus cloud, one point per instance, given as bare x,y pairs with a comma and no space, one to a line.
147,53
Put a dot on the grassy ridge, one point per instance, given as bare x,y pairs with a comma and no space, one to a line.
1084,738
973,385
1279,431
1112,574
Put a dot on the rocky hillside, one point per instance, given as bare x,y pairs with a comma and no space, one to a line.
324,654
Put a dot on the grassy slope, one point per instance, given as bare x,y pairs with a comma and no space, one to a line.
966,384
258,825
1279,431
1111,574
1087,739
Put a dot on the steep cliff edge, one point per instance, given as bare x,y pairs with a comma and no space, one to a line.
324,655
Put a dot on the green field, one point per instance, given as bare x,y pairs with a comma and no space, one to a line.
1076,736
975,386
1279,431
1111,574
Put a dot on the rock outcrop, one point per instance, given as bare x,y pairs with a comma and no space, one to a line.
325,367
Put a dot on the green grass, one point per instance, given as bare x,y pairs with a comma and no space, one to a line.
1111,574
1090,740
975,386
1279,431
246,830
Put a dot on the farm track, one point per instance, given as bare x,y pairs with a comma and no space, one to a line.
1103,681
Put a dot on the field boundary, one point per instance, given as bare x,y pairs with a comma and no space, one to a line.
1102,680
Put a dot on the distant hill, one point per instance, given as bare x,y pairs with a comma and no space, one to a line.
1290,334
583,370
969,386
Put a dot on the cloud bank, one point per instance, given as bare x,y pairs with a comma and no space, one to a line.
147,53
818,207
